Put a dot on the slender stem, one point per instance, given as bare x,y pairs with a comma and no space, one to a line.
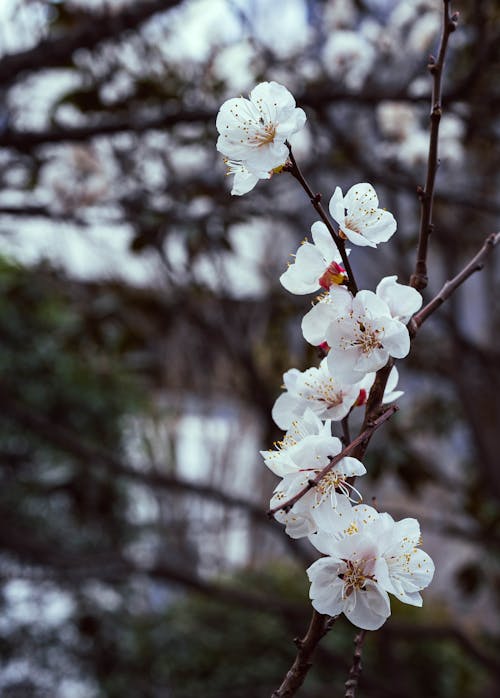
419,278
355,671
315,200
475,264
363,437
346,433
294,678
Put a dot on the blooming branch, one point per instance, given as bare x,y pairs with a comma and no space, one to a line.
315,199
362,438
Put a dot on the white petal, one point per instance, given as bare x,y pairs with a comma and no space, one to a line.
243,183
285,410
303,275
324,242
361,195
315,323
403,301
369,608
351,466
368,304
272,93
295,122
396,339
357,238
341,362
326,587
337,207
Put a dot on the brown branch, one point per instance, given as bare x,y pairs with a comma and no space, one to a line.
475,264
294,678
97,27
419,278
315,200
355,671
363,437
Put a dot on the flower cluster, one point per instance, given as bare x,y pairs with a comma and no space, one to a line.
366,553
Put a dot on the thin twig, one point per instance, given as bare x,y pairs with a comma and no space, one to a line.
475,264
294,678
419,278
364,436
315,200
355,671
346,432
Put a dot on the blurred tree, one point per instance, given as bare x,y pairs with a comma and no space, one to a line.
131,413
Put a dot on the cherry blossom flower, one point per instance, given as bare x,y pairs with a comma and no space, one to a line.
316,388
317,265
253,131
368,555
336,302
362,331
359,218
403,301
351,579
306,449
410,568
305,444
349,57
304,517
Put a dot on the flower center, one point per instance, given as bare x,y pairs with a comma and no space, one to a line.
352,225
264,135
366,338
325,392
354,577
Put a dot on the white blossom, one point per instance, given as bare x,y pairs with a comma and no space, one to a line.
348,57
403,301
359,218
253,131
362,331
368,555
317,265
315,388
410,568
305,450
303,518
353,576
305,443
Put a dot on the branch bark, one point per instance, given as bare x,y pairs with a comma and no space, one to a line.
315,200
475,264
294,678
355,671
419,278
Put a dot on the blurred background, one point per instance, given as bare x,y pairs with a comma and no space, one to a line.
144,333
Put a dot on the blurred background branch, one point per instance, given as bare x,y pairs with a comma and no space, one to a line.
144,334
